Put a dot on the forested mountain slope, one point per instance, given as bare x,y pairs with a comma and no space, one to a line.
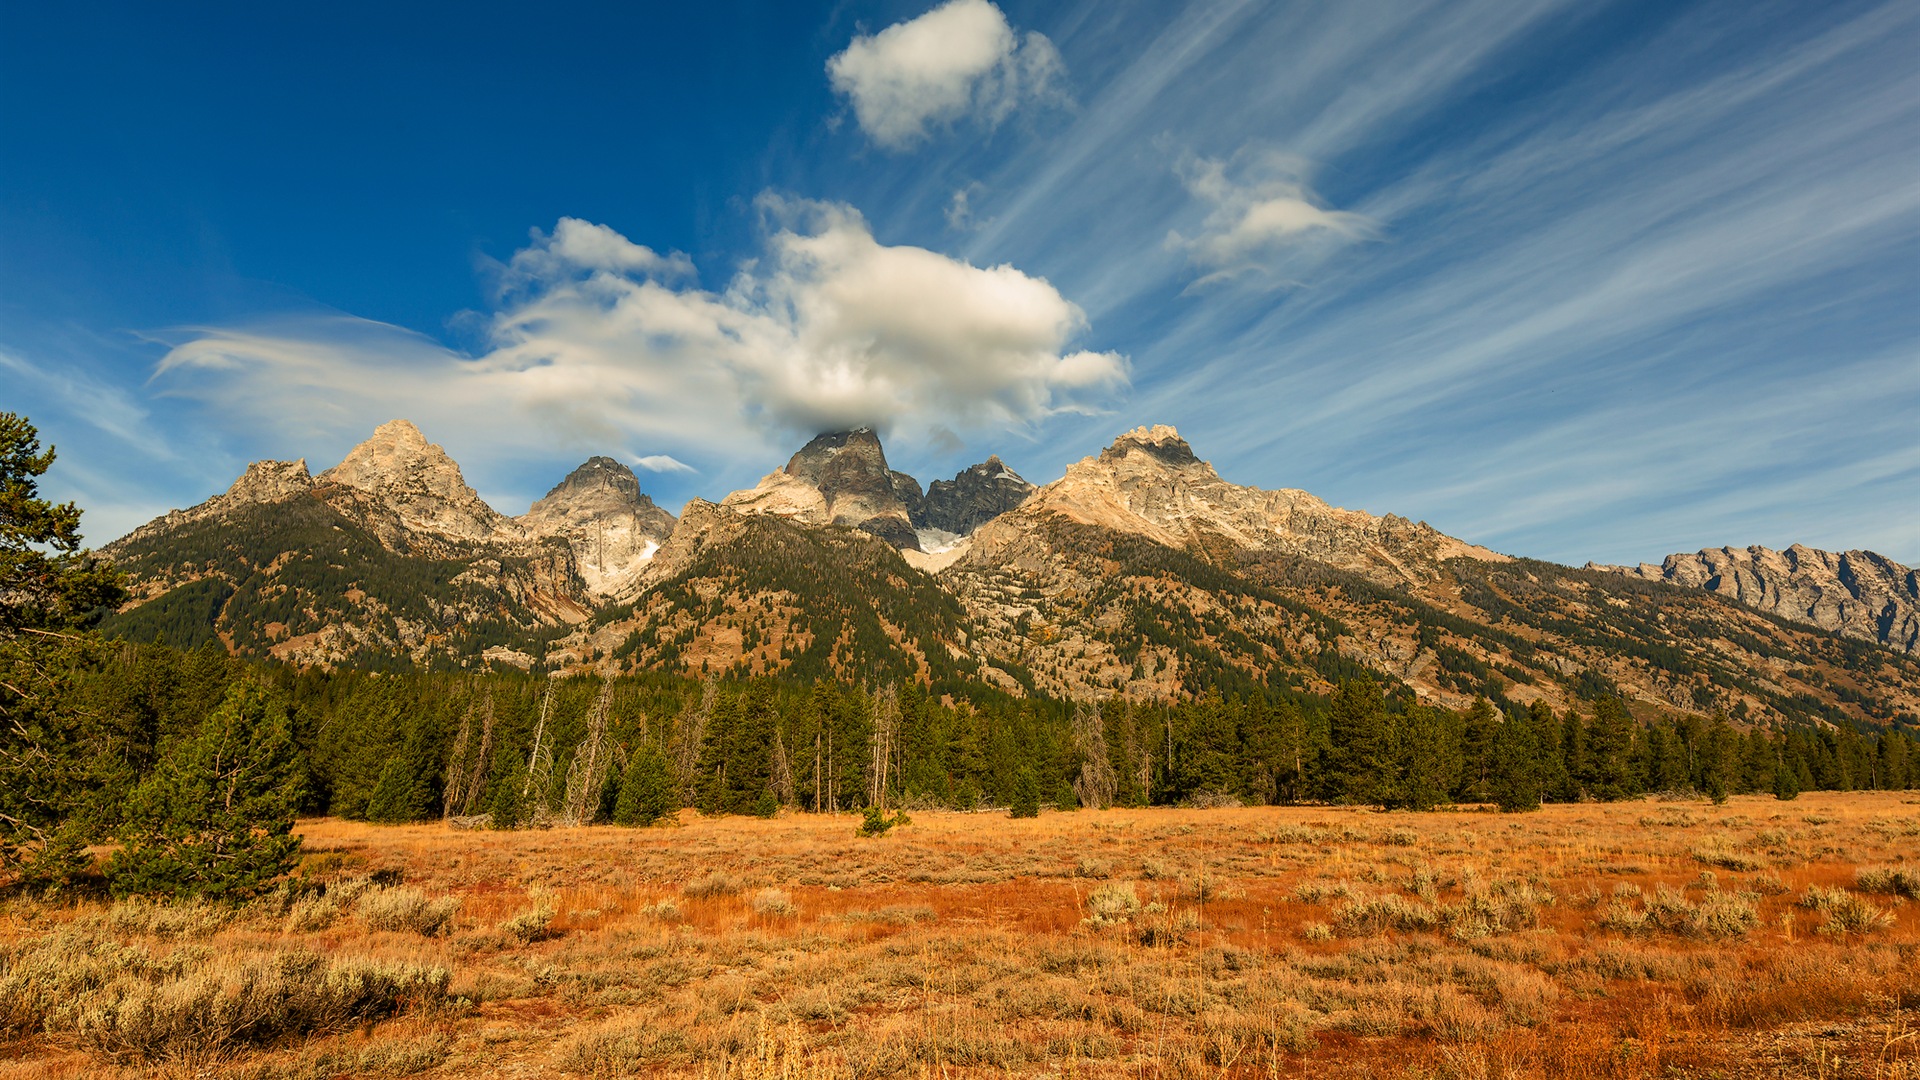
1141,573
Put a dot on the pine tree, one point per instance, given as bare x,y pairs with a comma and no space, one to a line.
647,791
216,818
1361,766
1786,783
59,766
505,810
1026,794
1515,779
1609,742
1426,765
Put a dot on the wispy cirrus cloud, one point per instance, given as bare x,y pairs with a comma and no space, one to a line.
960,60
1262,219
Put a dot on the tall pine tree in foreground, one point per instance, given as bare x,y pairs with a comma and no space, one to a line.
57,765
216,817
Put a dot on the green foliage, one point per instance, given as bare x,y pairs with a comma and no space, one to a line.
646,788
216,817
45,583
875,823
1026,794
1516,780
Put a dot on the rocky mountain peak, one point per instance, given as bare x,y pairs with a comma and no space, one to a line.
975,496
613,527
417,482
1160,441
599,479
271,481
839,478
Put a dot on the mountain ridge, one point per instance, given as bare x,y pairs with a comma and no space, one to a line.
1140,572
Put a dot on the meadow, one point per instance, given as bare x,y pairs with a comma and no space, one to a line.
1638,939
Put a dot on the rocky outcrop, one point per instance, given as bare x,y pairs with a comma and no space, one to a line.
612,526
840,478
415,480
975,496
1857,593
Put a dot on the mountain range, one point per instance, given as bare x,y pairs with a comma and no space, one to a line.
1140,572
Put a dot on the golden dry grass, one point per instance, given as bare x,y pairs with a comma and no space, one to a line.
1631,940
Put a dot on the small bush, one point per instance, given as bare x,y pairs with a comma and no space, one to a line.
718,883
1897,880
1719,851
407,910
1718,914
312,913
1316,931
773,903
1092,868
1375,915
1844,913
531,925
122,1003
1112,902
875,823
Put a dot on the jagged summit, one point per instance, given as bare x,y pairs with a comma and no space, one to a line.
839,478
1150,483
613,527
1160,440
418,483
975,496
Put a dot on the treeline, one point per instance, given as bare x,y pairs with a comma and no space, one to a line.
415,746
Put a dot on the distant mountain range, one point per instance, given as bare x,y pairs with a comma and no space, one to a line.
1140,572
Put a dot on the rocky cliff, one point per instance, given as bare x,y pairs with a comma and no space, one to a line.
1857,593
975,496
613,527
417,489
840,478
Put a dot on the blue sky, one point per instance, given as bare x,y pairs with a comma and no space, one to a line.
1574,280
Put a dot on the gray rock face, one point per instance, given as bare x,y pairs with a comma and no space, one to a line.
414,479
612,526
1857,593
975,496
840,478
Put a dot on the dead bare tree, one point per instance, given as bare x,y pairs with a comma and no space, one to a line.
587,775
1096,784
886,725
689,735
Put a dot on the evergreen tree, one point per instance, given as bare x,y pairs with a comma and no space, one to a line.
1426,765
1608,774
1786,784
1477,729
646,788
60,769
1361,765
1515,779
506,809
409,785
216,818
1026,794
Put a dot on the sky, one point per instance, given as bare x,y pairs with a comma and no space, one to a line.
1574,280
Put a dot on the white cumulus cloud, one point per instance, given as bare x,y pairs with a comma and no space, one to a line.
960,59
597,341
1262,219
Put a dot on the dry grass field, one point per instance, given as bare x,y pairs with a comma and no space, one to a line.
1644,939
